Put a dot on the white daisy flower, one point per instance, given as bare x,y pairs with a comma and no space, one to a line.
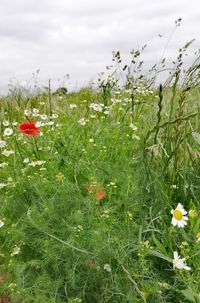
2,185
198,236
179,263
135,137
35,112
54,116
8,131
82,121
27,112
179,219
6,123
7,152
2,144
16,251
72,106
26,160
133,127
50,123
1,223
107,267
43,117
38,124
3,164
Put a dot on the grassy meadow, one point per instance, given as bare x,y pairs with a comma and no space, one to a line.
100,202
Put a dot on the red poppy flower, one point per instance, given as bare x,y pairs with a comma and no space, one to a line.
100,194
29,129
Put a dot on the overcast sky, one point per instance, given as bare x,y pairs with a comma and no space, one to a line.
77,37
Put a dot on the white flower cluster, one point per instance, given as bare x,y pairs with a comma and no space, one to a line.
36,163
36,113
10,183
97,107
82,121
142,90
3,164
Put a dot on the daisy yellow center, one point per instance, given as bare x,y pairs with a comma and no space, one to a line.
178,215
198,234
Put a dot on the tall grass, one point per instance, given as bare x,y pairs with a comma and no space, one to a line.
85,207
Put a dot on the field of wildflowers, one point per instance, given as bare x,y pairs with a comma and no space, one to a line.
99,190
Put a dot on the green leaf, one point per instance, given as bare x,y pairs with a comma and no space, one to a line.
189,295
159,245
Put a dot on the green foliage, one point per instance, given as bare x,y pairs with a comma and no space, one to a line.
85,206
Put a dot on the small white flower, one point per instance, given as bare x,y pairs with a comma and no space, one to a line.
16,251
2,144
179,263
2,185
135,137
82,121
133,127
72,106
8,131
38,124
26,160
54,116
97,107
198,236
50,123
35,112
43,117
107,267
3,164
91,140
1,223
7,152
6,123
27,112
36,163
179,219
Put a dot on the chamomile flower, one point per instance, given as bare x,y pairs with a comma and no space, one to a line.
8,131
16,251
3,164
107,267
198,236
6,123
2,185
26,160
1,223
2,143
43,117
82,121
35,112
179,263
133,127
72,106
7,152
179,218
27,112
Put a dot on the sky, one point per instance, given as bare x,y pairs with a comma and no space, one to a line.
77,37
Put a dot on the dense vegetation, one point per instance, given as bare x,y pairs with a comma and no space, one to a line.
88,193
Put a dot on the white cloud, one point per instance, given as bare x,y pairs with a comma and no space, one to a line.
78,37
